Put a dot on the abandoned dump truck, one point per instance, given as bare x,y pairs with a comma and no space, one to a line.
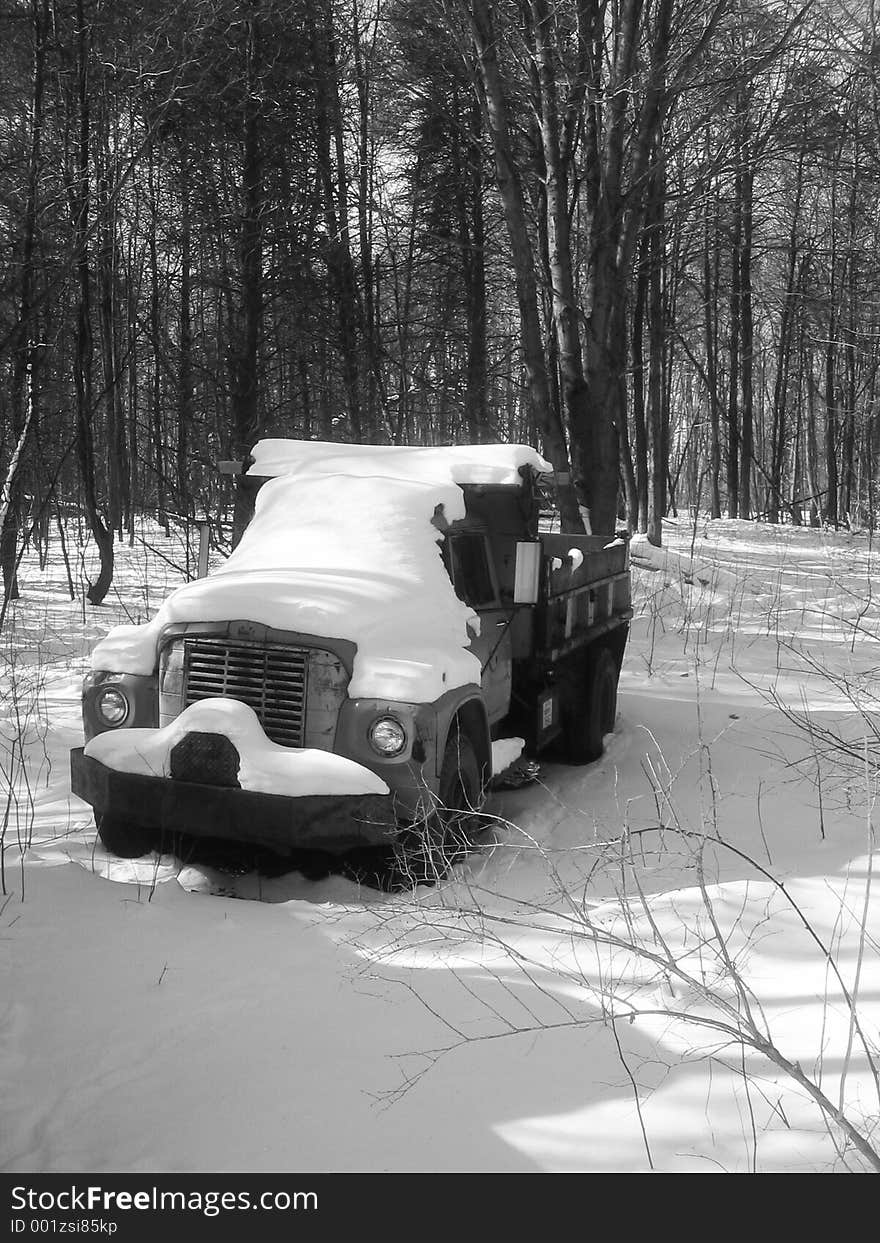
339,682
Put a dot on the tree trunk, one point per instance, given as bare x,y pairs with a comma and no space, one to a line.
812,439
733,424
747,334
847,489
639,416
118,500
473,253
246,352
156,421
332,166
185,345
710,338
523,260
23,395
830,511
657,418
794,280
82,365
374,387
576,414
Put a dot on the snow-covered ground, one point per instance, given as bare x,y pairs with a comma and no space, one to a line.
572,997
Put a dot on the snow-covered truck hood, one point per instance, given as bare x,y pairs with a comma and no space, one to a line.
342,546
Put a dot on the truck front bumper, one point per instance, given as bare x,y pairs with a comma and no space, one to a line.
331,822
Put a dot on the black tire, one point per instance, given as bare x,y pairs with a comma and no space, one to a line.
459,791
128,841
591,707
426,851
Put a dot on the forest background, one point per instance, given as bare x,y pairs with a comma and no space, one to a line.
640,234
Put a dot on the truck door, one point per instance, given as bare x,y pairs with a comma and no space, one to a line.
470,568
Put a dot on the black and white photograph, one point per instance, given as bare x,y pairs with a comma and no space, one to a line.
439,607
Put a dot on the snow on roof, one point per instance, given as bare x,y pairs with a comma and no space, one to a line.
462,464
342,546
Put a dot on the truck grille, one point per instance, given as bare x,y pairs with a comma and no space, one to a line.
271,680
296,692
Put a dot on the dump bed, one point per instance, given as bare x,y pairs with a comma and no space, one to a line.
586,591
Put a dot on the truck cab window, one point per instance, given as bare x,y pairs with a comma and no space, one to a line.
468,566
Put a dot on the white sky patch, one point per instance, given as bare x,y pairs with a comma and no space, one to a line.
342,547
265,766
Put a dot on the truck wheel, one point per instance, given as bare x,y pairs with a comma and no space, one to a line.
460,790
591,708
122,838
426,851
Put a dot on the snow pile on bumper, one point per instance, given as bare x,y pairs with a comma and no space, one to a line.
264,766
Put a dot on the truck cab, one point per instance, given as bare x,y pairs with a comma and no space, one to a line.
389,613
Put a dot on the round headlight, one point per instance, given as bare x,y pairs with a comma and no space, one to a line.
111,706
387,736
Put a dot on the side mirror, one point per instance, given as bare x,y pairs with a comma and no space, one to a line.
527,576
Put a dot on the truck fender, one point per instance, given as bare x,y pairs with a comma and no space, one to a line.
469,715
